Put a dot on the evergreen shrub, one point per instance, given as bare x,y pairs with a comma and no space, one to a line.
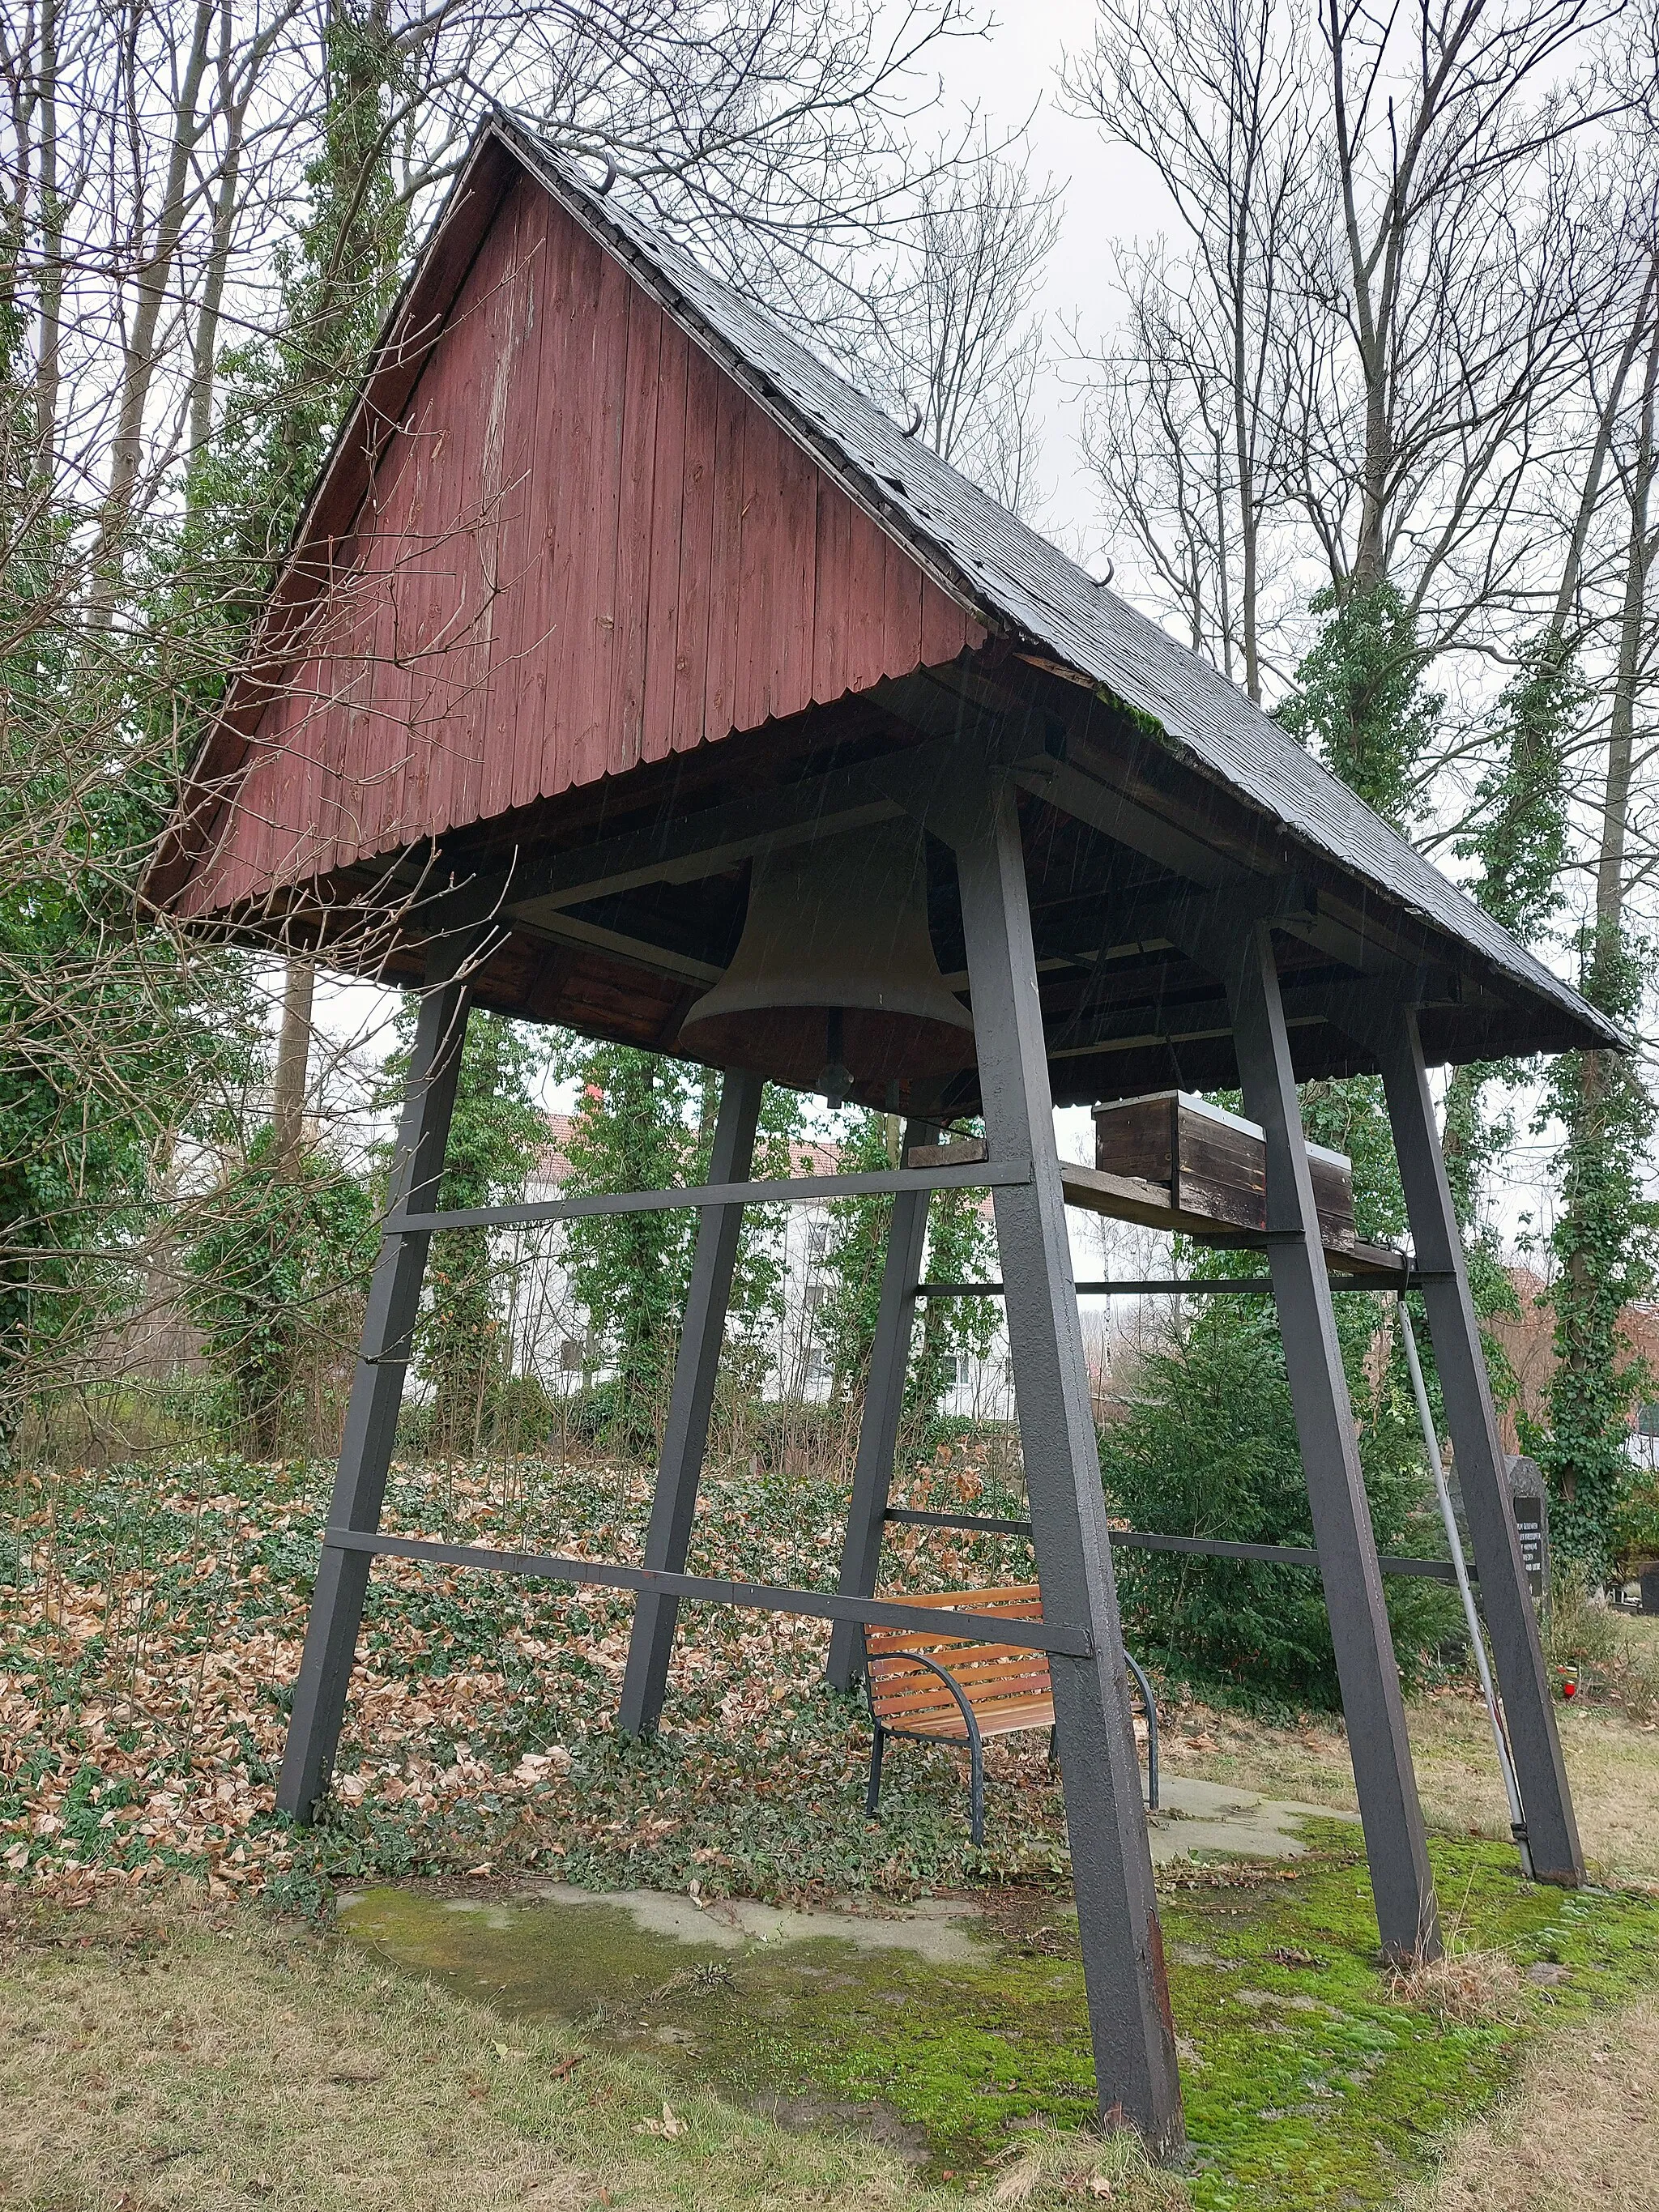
1207,1446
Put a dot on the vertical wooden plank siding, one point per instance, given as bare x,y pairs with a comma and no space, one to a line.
665,552
702,386
545,404
584,548
635,517
518,475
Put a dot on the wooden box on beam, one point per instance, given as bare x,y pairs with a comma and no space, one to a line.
1214,1164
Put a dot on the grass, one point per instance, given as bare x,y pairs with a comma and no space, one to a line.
179,2057
1612,1756
1314,2078
1578,2128
149,1621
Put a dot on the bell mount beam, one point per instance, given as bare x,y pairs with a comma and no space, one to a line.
681,846
686,1432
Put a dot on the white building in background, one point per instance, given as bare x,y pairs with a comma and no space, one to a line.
552,1337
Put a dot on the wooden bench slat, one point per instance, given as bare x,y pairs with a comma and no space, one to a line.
948,1654
1020,1601
1011,1720
920,1700
1007,1687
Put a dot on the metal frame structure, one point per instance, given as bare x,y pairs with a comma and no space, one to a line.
977,817
552,824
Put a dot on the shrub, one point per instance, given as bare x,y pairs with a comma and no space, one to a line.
606,1417
1207,1446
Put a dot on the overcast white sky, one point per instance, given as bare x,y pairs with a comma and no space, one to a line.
1109,194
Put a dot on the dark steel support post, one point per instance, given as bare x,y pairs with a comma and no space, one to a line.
685,1436
1366,1668
1129,2016
879,1425
1552,1835
377,1387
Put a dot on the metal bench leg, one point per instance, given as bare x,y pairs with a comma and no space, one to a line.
1149,1706
976,1789
872,1795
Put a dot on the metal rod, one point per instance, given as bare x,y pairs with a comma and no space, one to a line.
1210,1547
1477,1634
1259,1286
1511,1618
984,1523
766,1597
980,1175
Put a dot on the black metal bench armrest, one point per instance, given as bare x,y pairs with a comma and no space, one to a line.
919,1659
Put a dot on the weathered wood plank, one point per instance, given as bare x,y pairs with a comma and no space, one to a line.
581,548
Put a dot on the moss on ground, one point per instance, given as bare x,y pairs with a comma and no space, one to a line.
1307,2083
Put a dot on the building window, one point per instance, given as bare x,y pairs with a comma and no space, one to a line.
573,1356
813,1297
1647,1421
818,1242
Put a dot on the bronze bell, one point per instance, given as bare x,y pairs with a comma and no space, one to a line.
834,986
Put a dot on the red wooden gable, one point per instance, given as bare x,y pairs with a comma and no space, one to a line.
584,548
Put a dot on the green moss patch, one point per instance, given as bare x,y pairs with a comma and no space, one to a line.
1307,2084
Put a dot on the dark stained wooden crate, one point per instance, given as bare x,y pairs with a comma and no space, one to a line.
1213,1163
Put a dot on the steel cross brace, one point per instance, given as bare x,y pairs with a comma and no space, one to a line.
1238,949
1388,1025
377,1384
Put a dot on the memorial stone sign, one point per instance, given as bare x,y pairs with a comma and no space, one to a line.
1530,1502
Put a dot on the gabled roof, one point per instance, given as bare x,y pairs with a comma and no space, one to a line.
1005,573
1013,579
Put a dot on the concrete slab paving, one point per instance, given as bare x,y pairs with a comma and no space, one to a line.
1194,1819
942,1931
1194,1816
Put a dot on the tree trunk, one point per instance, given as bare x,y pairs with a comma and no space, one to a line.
154,275
1621,725
293,1059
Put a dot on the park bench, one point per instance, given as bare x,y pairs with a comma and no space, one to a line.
950,1689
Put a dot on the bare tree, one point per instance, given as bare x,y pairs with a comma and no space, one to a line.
159,182
958,346
1443,269
1213,94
